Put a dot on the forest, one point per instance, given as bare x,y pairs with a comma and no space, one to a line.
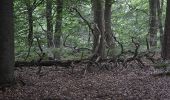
84,50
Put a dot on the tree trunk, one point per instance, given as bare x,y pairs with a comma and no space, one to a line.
166,43
99,28
30,34
160,4
49,23
30,22
153,23
58,26
6,42
107,16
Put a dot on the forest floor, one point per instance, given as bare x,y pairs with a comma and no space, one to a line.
120,83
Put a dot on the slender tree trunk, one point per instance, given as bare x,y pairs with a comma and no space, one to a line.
58,26
166,44
49,23
30,26
6,42
153,23
99,28
30,22
30,8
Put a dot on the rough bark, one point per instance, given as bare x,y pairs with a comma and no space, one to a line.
166,44
153,23
49,23
6,42
99,28
58,26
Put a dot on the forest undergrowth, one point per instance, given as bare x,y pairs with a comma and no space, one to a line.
116,83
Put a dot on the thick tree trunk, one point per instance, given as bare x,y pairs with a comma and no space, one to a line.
99,28
108,31
58,26
166,43
49,23
6,42
153,23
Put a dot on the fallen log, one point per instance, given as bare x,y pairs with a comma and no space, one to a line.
65,63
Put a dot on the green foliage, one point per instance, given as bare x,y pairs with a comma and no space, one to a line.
129,18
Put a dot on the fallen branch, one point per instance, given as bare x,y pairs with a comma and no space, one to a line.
66,63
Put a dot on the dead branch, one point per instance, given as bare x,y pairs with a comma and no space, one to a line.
119,43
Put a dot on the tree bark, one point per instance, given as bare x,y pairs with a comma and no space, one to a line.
58,26
108,31
6,42
30,22
49,23
153,23
99,28
160,4
166,43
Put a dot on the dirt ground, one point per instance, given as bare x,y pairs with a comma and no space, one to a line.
131,83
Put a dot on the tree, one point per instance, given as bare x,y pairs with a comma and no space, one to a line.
99,28
166,43
6,42
107,16
160,5
31,6
153,22
58,26
30,9
49,23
